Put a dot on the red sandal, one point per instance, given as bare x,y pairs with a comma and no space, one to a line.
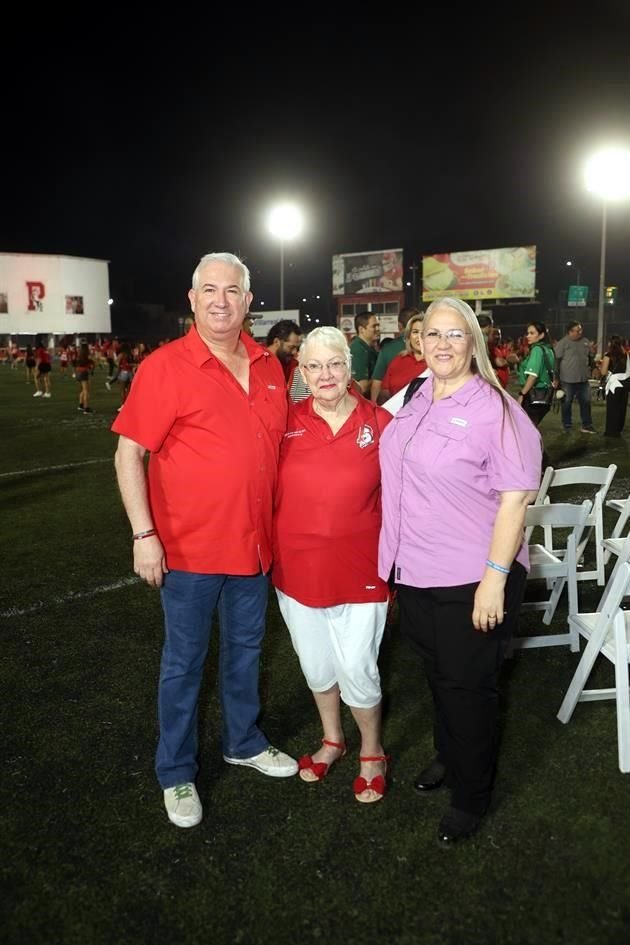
320,768
378,784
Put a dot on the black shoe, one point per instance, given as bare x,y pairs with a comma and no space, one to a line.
431,777
456,825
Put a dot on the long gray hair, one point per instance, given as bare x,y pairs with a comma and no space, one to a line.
481,359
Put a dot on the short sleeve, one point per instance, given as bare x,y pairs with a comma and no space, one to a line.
535,362
381,366
360,365
151,406
514,452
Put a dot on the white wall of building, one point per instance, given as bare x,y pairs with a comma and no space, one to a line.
263,321
60,295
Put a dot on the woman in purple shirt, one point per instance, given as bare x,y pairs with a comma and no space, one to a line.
460,463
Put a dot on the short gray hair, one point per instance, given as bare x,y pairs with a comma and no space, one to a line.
228,258
328,337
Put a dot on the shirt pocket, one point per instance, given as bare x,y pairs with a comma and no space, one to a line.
276,408
440,441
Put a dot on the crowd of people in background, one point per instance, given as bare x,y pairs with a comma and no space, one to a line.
567,368
356,455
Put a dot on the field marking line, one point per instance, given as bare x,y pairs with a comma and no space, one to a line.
70,596
39,469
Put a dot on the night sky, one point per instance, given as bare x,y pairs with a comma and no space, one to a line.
151,145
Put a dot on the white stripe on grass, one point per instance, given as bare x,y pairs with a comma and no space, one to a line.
39,469
66,598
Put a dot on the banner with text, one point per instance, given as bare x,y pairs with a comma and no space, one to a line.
378,271
507,273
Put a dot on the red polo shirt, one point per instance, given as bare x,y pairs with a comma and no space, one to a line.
328,508
214,453
400,371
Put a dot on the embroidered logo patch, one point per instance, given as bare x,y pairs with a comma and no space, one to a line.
291,433
365,436
459,422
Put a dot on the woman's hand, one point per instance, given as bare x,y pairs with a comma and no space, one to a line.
489,600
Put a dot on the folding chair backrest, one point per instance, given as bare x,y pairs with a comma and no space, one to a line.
600,476
559,515
617,585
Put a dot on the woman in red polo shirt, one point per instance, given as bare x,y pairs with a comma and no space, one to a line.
326,527
408,364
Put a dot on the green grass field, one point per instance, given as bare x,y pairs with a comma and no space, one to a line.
88,854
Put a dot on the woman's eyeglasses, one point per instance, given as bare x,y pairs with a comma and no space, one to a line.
314,368
454,336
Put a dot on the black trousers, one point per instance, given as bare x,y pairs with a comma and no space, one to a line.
616,404
462,667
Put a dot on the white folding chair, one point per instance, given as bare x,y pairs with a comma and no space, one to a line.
613,543
558,568
608,633
599,476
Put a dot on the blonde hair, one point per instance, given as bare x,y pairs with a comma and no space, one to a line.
407,336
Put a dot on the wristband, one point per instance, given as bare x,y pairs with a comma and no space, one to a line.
146,534
497,567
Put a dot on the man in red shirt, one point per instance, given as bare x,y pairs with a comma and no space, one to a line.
211,409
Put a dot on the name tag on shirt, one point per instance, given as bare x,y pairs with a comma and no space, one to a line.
459,421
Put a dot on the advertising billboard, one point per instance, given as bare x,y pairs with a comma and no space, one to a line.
506,273
377,271
53,295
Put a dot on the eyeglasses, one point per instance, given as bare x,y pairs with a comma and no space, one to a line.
336,367
454,336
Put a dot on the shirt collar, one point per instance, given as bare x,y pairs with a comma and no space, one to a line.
200,352
461,396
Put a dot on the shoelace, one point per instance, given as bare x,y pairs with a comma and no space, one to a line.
273,751
182,791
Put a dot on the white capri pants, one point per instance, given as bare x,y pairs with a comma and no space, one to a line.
338,645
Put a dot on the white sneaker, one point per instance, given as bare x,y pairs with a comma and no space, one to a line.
271,761
108,385
183,805
47,395
38,393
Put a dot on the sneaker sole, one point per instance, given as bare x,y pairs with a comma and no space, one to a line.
285,772
184,821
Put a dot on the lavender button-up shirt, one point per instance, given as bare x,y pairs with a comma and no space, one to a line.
444,466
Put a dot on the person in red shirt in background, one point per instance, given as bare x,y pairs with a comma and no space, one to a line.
211,410
84,367
325,542
408,364
43,367
500,357
496,353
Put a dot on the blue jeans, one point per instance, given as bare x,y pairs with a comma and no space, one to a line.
189,601
581,390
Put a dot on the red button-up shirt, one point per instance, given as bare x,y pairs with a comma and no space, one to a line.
214,453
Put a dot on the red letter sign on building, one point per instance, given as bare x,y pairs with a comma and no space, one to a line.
36,292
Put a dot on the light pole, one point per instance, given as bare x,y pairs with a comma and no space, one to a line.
571,263
284,222
607,174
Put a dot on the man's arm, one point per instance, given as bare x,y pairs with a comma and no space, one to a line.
360,371
148,555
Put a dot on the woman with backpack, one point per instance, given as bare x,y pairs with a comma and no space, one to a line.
535,374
